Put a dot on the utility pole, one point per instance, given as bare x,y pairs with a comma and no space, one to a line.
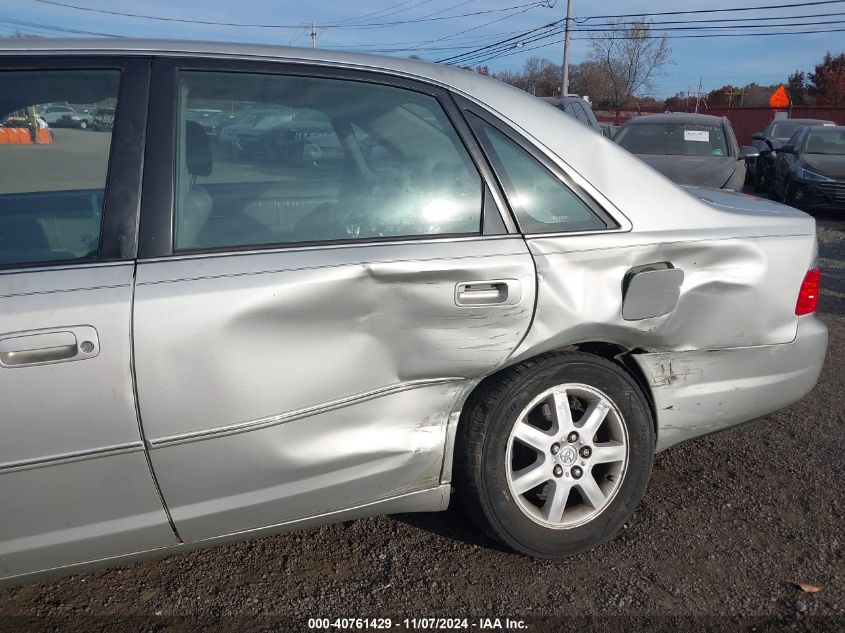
698,96
564,89
313,36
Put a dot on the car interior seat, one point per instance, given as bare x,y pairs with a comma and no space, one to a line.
196,202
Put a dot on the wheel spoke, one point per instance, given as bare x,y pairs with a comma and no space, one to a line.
609,452
590,491
533,437
593,418
561,412
530,477
556,503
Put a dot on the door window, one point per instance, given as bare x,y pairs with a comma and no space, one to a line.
270,159
52,181
540,201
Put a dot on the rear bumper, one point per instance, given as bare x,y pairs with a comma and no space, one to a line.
699,392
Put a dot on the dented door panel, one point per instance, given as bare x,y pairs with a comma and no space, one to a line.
305,465
735,292
361,351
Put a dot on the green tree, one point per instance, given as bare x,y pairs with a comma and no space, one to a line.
796,86
827,81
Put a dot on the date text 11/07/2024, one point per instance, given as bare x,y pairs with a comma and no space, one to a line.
488,624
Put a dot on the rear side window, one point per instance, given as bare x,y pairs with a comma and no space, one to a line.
52,174
272,159
540,201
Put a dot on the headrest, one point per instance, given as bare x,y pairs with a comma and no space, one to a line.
197,149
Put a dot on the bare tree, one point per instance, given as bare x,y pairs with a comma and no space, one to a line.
630,59
588,80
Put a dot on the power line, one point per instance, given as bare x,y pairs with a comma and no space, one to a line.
57,29
698,11
495,44
505,45
705,28
475,28
373,13
509,52
162,18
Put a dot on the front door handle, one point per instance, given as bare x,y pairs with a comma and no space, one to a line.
488,293
40,347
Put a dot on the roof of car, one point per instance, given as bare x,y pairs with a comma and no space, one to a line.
676,117
801,121
565,99
439,73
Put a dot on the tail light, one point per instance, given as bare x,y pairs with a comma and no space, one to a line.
808,296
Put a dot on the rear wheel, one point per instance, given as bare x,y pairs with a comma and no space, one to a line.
83,125
557,452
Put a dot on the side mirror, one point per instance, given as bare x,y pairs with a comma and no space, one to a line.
757,136
747,152
787,149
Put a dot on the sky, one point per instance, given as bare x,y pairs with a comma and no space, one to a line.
435,29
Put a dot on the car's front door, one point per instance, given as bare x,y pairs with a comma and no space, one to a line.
75,483
319,302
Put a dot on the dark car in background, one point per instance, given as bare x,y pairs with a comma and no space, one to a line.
576,107
809,171
690,149
777,132
104,119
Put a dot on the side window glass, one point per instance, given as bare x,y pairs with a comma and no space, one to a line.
540,201
52,174
274,159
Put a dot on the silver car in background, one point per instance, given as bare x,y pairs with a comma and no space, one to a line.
688,148
450,288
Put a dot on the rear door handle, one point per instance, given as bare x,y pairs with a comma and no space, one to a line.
48,346
488,292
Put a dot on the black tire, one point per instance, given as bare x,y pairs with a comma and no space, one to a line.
762,180
789,192
83,125
486,423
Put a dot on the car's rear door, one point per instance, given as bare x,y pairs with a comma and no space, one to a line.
307,314
75,484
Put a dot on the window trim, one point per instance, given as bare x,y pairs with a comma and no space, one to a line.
156,232
611,223
122,190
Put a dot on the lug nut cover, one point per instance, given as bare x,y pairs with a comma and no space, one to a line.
572,437
558,471
586,451
577,472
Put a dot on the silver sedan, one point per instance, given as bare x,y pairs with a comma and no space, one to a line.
425,283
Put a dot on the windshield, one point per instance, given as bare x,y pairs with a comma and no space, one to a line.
673,139
783,131
830,142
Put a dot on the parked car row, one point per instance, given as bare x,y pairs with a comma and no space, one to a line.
690,149
798,161
82,117
776,134
809,171
272,133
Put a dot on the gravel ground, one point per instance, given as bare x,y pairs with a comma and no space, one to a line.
727,523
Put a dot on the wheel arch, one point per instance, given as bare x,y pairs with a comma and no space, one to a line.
617,354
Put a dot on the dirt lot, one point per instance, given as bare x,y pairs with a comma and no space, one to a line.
726,524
